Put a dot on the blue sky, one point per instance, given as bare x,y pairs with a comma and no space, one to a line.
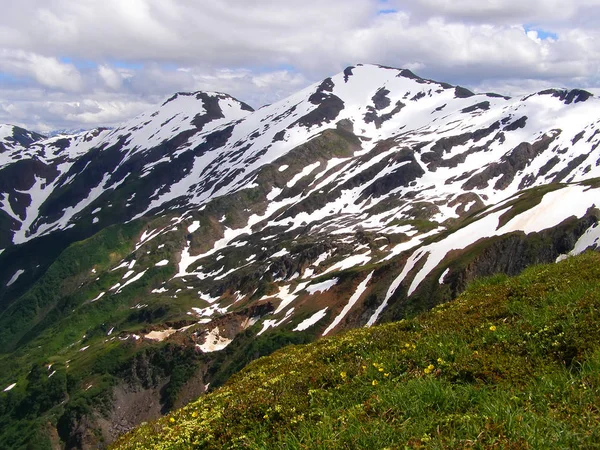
542,34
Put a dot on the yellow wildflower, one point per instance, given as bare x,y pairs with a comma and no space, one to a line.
493,328
381,369
386,374
374,382
195,414
343,375
172,420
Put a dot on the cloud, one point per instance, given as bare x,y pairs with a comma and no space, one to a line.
47,71
95,58
470,52
500,11
35,109
111,78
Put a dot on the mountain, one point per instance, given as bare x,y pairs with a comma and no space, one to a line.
149,262
516,370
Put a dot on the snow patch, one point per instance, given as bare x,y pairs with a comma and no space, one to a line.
128,274
280,253
14,278
160,336
304,173
362,287
446,272
207,297
161,290
307,323
214,342
589,239
133,280
194,226
351,261
100,295
321,287
274,193
273,323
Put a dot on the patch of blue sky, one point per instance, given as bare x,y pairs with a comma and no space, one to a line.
78,63
384,8
542,34
273,68
89,64
126,64
7,77
13,81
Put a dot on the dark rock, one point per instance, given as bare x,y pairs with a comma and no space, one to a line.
461,92
548,166
380,99
279,136
519,123
573,164
516,160
568,97
347,73
577,137
484,106
328,109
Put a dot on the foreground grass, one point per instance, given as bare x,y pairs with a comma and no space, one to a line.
512,363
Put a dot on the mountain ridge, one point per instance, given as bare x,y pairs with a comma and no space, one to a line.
201,235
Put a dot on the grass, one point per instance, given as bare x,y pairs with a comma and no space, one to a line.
33,311
512,363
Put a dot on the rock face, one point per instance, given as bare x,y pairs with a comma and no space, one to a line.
229,232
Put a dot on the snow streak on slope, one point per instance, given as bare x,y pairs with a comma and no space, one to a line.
362,287
414,136
554,208
363,169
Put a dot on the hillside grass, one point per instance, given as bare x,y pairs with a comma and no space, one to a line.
512,363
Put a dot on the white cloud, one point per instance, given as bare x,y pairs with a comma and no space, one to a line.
47,71
111,78
136,52
501,11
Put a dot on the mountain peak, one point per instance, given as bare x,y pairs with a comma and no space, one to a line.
359,199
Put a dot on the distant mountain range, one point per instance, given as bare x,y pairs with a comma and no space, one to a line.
228,232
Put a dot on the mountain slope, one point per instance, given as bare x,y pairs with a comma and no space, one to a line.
452,130
148,263
413,148
510,363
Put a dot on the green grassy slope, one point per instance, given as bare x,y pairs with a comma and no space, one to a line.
512,363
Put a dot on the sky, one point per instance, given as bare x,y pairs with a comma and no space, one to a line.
78,64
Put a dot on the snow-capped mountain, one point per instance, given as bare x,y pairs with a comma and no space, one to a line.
13,140
359,199
370,150
436,141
